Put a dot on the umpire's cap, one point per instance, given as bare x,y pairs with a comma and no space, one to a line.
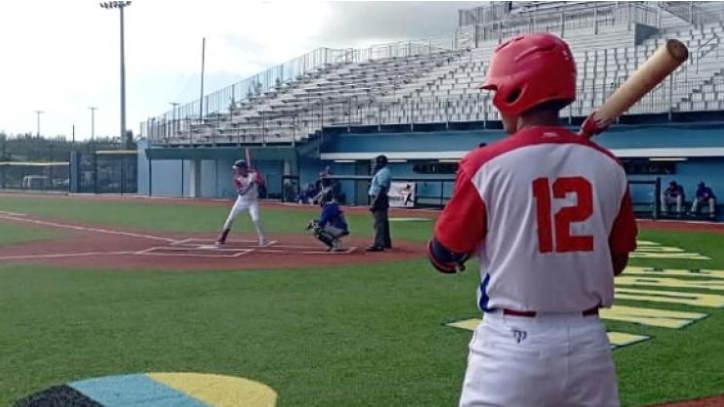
240,164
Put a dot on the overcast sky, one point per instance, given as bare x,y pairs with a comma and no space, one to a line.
63,57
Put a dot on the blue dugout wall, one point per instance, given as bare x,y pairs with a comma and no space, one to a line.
700,147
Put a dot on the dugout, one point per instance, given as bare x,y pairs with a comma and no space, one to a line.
206,171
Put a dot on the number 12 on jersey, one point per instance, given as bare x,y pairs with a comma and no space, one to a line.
562,241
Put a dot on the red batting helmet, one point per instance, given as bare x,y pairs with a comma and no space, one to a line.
529,70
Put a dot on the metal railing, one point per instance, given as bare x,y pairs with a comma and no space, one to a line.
494,22
670,97
694,12
276,79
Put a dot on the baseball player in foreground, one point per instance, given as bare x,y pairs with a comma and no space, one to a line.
246,183
549,214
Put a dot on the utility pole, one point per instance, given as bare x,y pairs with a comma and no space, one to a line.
38,113
120,5
203,60
93,121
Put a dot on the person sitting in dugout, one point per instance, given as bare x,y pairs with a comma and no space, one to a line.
331,226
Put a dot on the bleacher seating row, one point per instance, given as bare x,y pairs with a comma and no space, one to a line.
441,86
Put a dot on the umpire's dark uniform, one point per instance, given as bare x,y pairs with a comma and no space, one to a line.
380,204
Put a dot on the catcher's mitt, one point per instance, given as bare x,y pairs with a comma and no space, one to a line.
313,225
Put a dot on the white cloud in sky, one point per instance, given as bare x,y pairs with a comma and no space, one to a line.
62,57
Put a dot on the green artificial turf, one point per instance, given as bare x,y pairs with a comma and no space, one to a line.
165,217
13,233
370,335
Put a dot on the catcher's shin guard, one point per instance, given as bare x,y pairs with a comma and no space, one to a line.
325,238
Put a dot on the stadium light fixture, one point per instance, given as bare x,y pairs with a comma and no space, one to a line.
120,5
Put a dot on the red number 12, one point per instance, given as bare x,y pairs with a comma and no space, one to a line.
564,242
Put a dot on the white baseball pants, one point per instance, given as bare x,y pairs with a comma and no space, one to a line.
553,360
240,206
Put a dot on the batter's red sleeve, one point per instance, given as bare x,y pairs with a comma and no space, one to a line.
462,224
624,231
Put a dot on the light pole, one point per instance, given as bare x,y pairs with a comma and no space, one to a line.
121,5
93,121
38,113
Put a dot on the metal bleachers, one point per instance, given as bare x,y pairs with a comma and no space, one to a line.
408,85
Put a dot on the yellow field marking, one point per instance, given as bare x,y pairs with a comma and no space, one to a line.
671,297
651,317
714,274
669,282
659,249
646,243
467,324
617,339
680,256
219,391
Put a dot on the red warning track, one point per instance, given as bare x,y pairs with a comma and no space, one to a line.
100,247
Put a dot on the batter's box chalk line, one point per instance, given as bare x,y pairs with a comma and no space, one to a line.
311,250
199,243
192,252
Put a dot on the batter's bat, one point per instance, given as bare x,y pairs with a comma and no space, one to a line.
248,157
652,72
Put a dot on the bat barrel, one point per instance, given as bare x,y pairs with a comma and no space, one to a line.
677,50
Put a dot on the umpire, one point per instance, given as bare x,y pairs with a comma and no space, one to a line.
380,204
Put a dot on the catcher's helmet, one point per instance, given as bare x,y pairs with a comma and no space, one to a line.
530,70
240,164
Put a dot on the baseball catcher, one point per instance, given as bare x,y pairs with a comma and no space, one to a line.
549,214
331,226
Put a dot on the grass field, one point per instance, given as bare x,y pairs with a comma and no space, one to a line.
342,336
13,234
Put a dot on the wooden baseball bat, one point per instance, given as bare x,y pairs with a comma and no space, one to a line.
652,72
248,157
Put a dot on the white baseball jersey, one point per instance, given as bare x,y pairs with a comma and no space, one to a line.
544,209
242,183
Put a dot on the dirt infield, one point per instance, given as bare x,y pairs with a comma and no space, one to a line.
100,247
716,401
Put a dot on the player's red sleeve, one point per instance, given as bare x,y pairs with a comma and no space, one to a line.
623,234
237,182
462,225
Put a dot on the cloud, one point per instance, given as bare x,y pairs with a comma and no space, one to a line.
62,57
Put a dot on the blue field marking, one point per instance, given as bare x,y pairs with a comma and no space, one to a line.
136,390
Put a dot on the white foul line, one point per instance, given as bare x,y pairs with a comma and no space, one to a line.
61,255
87,229
12,213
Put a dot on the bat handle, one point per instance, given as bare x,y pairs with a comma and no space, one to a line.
593,125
